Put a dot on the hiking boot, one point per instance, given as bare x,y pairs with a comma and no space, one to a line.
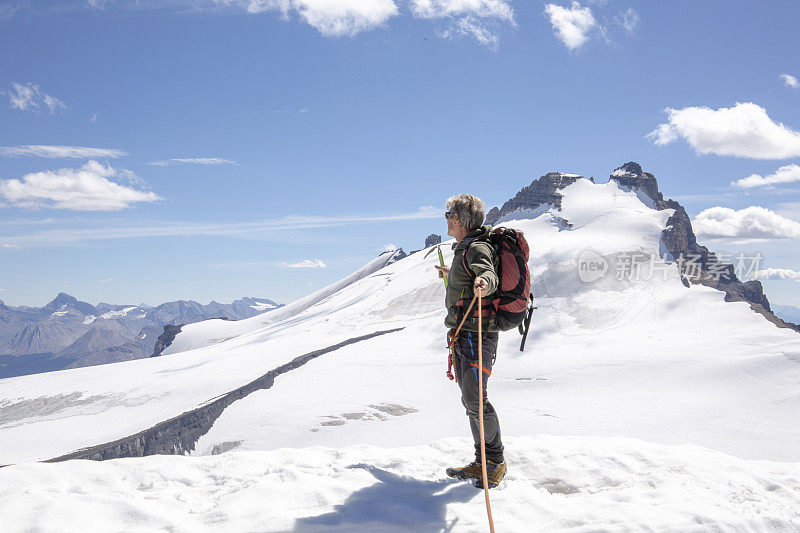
495,472
471,471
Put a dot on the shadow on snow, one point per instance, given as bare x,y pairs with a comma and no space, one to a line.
394,503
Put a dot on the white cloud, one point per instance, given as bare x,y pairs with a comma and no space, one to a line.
628,19
105,280
744,130
193,161
306,263
785,174
88,188
259,6
55,152
10,245
754,223
28,96
471,27
474,19
790,81
499,9
572,25
329,17
336,18
388,247
345,17
778,273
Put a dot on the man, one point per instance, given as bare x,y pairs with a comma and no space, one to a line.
464,219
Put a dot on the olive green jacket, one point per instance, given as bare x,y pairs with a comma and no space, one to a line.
482,262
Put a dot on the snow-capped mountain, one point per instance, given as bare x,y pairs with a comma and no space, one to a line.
69,333
643,400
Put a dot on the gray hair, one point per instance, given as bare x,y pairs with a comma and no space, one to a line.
469,209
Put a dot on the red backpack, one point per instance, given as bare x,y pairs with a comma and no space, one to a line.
510,302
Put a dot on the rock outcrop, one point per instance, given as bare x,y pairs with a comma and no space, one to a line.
166,338
542,191
432,240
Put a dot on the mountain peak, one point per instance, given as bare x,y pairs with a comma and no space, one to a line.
628,169
631,176
61,300
64,299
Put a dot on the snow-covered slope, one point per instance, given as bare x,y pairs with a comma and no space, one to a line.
644,358
214,331
555,483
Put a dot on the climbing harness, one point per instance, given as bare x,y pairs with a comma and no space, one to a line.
452,337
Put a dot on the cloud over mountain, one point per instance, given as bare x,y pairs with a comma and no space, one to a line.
778,273
752,222
744,130
785,174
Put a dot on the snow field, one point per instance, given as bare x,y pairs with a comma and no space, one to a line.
554,483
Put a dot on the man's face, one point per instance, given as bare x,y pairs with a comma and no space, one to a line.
452,220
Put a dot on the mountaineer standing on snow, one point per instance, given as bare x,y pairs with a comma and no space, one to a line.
474,268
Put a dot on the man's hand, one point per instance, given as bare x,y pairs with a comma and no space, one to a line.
481,287
443,271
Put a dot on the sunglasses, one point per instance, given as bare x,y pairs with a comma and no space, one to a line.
447,214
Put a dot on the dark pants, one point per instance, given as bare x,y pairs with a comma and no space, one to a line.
465,361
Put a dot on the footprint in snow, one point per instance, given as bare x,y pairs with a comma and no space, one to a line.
378,412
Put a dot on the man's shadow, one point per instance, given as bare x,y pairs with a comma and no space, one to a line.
394,503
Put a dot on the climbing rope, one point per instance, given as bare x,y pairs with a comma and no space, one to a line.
480,415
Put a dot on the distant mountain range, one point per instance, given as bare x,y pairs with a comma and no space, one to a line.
68,333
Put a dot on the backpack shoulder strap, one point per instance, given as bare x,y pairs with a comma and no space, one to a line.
464,257
484,239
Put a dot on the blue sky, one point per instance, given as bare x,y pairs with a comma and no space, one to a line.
240,138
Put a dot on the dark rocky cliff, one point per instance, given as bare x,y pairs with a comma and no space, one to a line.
432,239
166,338
540,192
